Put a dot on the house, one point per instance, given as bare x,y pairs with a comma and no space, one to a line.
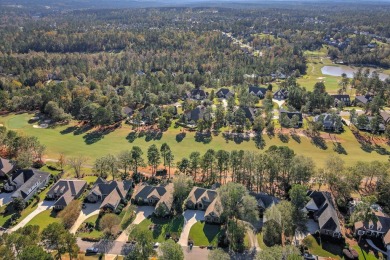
367,127
363,100
224,93
281,94
378,229
161,197
25,183
291,114
196,114
198,94
6,167
346,99
329,121
257,91
206,200
127,111
385,117
110,193
264,201
250,112
321,207
65,191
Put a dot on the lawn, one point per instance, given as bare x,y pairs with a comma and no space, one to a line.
363,255
44,218
160,227
95,233
58,141
324,250
260,241
204,234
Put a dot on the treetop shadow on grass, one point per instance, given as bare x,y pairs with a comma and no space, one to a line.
319,142
69,130
283,137
203,137
83,129
131,137
93,137
180,137
153,135
296,138
237,138
259,141
211,231
338,148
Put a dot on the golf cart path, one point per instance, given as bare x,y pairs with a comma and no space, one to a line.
90,210
42,206
142,213
190,218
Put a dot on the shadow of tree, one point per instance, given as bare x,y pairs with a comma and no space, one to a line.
338,148
69,130
131,137
319,142
381,150
180,137
283,137
83,129
296,138
203,137
93,137
259,141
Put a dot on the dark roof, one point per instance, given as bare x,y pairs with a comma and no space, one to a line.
127,111
196,114
224,92
113,191
250,112
328,121
341,97
145,191
67,190
198,91
291,114
281,92
257,90
363,99
27,179
6,165
264,200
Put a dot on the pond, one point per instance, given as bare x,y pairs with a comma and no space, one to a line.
338,70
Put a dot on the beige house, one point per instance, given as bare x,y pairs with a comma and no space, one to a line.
64,191
161,197
6,167
206,200
109,193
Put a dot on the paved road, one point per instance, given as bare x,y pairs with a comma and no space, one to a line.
90,210
106,246
42,206
142,213
5,198
190,218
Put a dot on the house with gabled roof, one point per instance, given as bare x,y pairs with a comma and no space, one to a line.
224,93
206,200
161,197
197,94
290,115
25,183
363,100
329,121
264,201
109,193
281,94
375,229
323,210
65,191
6,167
346,99
196,114
257,91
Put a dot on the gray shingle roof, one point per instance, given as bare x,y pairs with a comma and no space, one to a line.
66,191
5,166
27,179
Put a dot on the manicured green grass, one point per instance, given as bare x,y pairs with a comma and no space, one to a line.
161,227
316,249
204,234
44,219
118,140
95,233
260,241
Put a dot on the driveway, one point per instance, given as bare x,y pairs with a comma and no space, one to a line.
5,198
106,246
42,206
190,218
142,213
90,210
279,102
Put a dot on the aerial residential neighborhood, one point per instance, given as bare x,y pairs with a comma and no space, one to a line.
164,129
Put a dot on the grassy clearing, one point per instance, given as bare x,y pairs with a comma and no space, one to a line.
205,234
260,241
44,218
324,250
95,233
160,228
181,144
363,255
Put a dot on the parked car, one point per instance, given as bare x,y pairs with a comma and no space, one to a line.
92,250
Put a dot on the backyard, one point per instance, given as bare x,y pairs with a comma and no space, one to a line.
93,231
44,218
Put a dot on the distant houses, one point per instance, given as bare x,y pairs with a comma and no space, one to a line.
161,197
207,200
65,191
322,209
25,183
362,100
224,93
196,94
367,127
281,94
290,116
330,122
345,99
6,167
109,193
257,91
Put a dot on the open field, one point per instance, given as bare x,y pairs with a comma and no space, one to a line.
60,140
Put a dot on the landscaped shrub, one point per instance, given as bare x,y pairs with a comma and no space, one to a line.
90,239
